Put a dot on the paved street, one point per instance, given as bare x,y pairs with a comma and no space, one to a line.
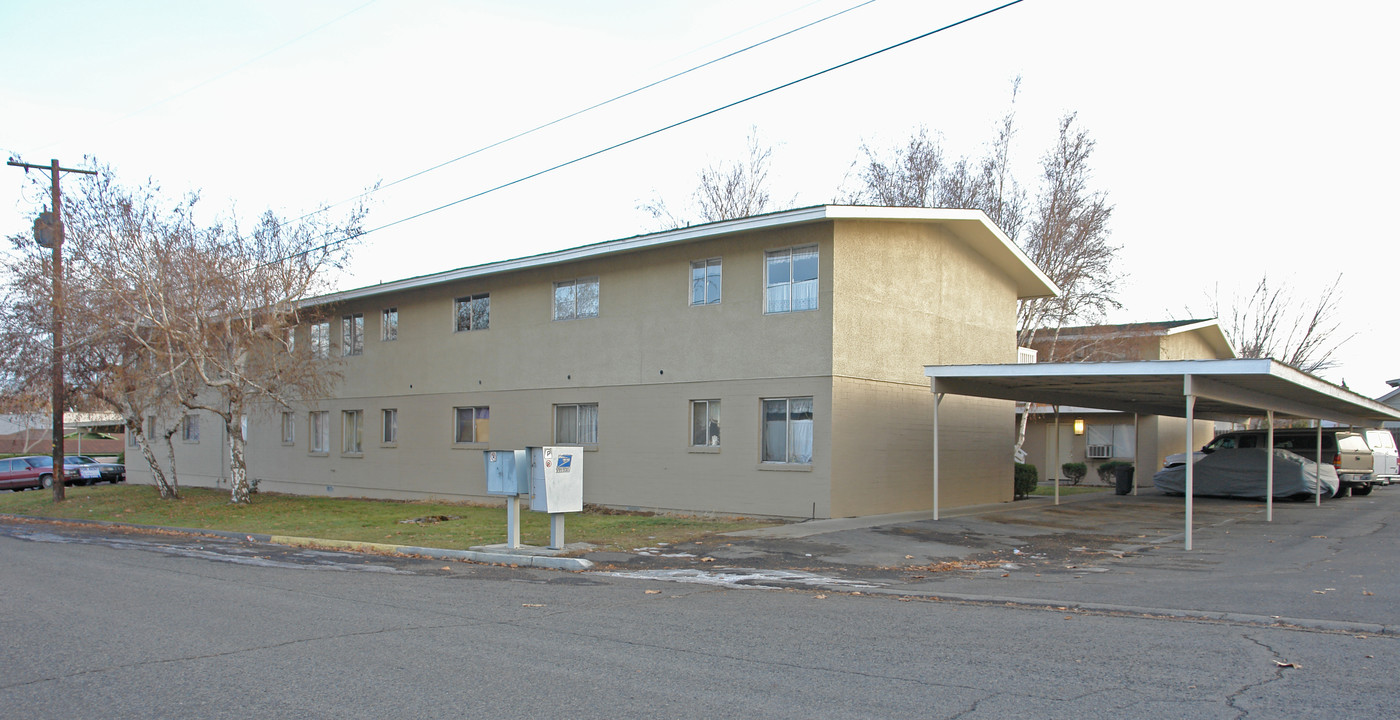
108,624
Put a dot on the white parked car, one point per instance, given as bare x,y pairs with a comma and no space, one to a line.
1385,456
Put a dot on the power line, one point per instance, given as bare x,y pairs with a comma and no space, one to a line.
658,131
590,108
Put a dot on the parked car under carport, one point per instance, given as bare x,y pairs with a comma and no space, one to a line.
1242,473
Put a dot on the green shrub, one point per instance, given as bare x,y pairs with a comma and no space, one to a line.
1026,478
1074,472
1106,470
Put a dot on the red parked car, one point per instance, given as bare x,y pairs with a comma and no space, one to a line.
30,471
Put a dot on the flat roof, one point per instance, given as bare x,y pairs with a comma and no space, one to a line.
971,226
1224,389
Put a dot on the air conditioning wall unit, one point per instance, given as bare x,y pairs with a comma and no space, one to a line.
1099,452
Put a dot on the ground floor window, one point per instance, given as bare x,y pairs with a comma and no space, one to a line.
787,430
320,427
473,425
189,428
704,423
390,425
289,428
351,432
576,424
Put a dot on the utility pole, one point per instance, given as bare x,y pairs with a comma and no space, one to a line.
52,232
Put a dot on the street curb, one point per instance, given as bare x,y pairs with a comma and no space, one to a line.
490,558
1341,626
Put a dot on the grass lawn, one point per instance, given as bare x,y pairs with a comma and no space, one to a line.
359,519
1067,489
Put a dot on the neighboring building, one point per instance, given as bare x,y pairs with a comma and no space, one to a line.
1392,399
771,365
85,433
1095,436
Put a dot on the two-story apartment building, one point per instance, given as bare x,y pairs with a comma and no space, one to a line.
770,365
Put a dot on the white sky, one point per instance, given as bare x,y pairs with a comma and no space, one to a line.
1234,138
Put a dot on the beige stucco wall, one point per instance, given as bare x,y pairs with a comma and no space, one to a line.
1187,346
903,295
912,295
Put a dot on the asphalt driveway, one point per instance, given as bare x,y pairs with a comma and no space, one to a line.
1333,566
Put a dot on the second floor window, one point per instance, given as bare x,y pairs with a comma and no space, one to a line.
576,299
321,339
352,334
474,312
790,279
705,282
389,324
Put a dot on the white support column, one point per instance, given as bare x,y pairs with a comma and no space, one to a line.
1317,466
1269,474
1137,479
1055,463
937,400
1190,457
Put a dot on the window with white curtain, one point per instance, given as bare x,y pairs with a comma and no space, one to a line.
289,428
576,424
787,430
320,423
790,279
352,424
705,281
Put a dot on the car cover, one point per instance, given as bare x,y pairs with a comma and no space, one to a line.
1241,473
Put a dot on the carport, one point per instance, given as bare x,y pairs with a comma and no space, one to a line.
1230,390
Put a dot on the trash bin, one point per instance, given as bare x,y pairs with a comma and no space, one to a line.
1123,479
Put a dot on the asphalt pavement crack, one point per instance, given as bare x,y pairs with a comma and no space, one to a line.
1234,697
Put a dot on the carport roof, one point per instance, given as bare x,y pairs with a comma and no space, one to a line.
1224,389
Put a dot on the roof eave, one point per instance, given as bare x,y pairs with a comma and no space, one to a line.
971,226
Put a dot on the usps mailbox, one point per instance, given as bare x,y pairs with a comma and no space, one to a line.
556,481
508,474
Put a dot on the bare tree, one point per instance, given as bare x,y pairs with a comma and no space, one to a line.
1272,323
726,190
166,316
1068,239
906,176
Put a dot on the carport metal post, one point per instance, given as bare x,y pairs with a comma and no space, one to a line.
937,400
1317,467
1269,473
1190,456
1055,463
